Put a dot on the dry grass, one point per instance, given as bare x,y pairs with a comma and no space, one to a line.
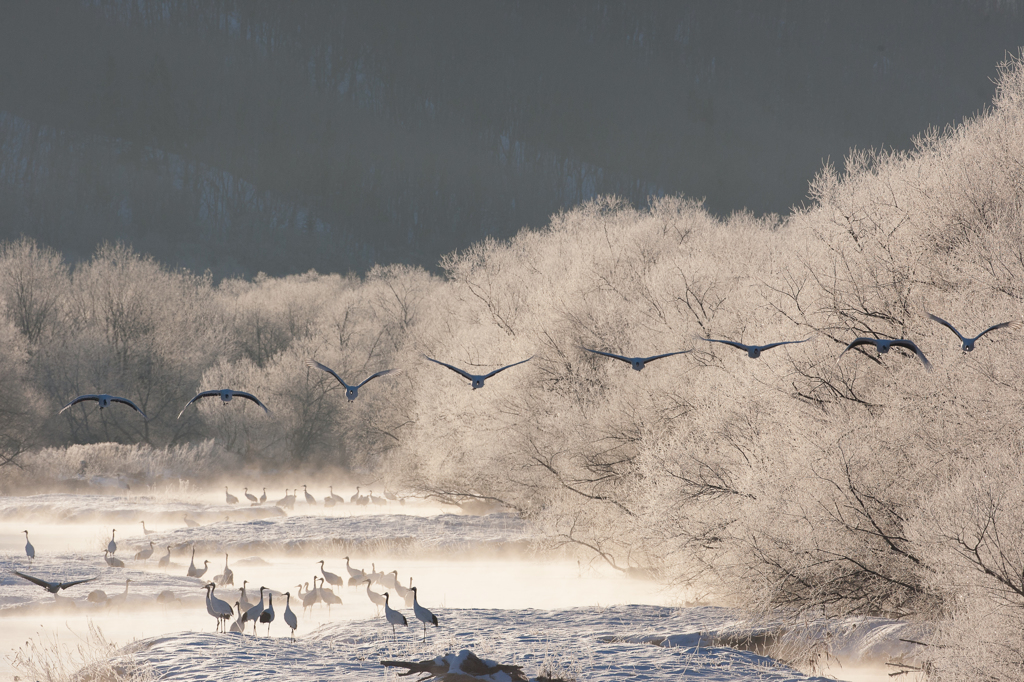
89,659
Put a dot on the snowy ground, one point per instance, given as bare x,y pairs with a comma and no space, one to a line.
579,621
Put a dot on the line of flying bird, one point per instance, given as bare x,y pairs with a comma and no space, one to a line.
637,363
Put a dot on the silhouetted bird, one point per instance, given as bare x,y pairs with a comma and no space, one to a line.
268,614
226,394
145,553
393,616
636,363
375,597
422,614
477,380
254,613
332,578
883,346
104,400
753,351
52,588
289,615
217,607
351,392
967,344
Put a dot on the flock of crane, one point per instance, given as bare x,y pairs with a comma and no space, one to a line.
881,345
244,611
288,501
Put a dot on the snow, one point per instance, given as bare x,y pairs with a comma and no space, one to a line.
493,596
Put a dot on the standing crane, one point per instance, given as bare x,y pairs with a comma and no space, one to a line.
328,597
333,578
289,615
236,626
354,574
144,554
390,581
268,614
120,599
244,598
402,591
255,612
29,549
228,576
216,607
422,614
375,597
409,594
394,617
310,597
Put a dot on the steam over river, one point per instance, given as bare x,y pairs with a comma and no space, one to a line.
492,592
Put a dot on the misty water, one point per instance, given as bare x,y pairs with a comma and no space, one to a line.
457,561
474,572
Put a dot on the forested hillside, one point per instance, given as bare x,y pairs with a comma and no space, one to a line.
253,136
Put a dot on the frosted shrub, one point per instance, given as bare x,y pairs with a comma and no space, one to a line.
33,280
21,407
971,532
103,465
